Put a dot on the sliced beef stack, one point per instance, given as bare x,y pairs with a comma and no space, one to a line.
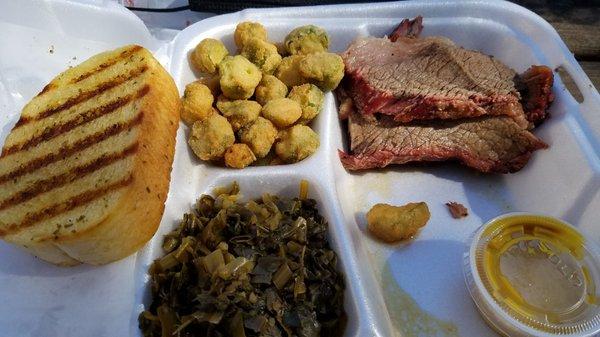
413,99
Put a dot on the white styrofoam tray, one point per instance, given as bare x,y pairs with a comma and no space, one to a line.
41,38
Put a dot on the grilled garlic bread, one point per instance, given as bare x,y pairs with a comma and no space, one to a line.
85,172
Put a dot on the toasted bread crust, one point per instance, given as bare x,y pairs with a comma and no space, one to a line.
137,216
136,213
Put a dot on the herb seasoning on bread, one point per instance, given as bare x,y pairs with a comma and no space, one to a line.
85,172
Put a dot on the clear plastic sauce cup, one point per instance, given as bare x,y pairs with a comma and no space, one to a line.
533,275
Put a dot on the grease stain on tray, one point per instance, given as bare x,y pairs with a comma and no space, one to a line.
408,318
371,182
378,182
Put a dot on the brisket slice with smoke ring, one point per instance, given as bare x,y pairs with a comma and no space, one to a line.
410,99
429,78
408,28
488,144
535,86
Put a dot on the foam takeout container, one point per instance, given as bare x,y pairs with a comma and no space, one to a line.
410,289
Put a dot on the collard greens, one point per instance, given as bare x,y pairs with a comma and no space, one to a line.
263,268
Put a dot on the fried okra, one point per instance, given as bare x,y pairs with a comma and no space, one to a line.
238,112
212,82
239,77
307,39
296,143
210,138
197,102
269,88
259,136
395,223
281,48
239,156
323,69
282,112
310,98
208,54
268,160
247,30
288,71
262,53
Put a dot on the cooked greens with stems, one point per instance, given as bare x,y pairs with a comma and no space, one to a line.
261,268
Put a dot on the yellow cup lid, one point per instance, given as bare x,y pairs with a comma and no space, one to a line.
533,275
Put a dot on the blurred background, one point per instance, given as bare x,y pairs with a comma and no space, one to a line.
576,21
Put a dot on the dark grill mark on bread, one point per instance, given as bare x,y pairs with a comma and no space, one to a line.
47,88
74,202
83,96
124,54
69,150
83,118
42,186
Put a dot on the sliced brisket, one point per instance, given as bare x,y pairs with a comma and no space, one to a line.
535,86
488,144
408,28
429,78
410,99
